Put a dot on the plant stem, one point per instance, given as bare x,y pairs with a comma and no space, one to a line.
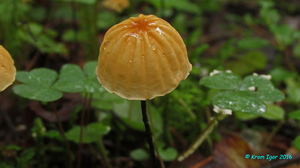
102,150
89,108
148,133
274,131
200,138
64,136
81,130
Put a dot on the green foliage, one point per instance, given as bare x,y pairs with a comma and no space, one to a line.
167,154
252,43
247,95
85,2
41,83
91,133
37,85
181,5
41,38
295,115
293,90
248,63
139,154
218,35
296,143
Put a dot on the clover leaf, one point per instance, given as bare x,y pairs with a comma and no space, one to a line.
247,95
37,85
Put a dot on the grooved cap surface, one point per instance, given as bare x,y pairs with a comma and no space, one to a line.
7,69
141,58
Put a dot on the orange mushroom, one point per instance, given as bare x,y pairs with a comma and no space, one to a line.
141,58
116,5
7,69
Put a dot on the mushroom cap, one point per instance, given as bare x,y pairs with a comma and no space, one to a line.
141,58
116,5
7,69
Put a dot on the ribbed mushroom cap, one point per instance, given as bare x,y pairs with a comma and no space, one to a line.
141,58
7,69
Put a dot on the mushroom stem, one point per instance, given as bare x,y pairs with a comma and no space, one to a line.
148,133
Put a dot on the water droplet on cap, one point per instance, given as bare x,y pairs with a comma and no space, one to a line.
153,47
105,44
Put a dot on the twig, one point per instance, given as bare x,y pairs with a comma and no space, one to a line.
203,162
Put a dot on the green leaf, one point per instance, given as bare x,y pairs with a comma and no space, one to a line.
273,113
222,80
13,147
139,154
28,154
43,39
53,134
248,63
283,34
36,92
71,79
296,143
168,154
242,101
244,116
181,5
265,89
296,50
91,133
295,115
86,2
106,19
106,100
252,43
39,76
137,125
293,90
280,74
90,69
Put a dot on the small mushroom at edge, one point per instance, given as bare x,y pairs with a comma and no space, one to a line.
7,69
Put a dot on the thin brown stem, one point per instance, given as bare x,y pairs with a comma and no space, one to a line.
89,108
271,135
102,150
81,130
64,136
288,61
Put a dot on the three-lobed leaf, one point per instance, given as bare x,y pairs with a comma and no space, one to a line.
247,95
37,85
41,83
